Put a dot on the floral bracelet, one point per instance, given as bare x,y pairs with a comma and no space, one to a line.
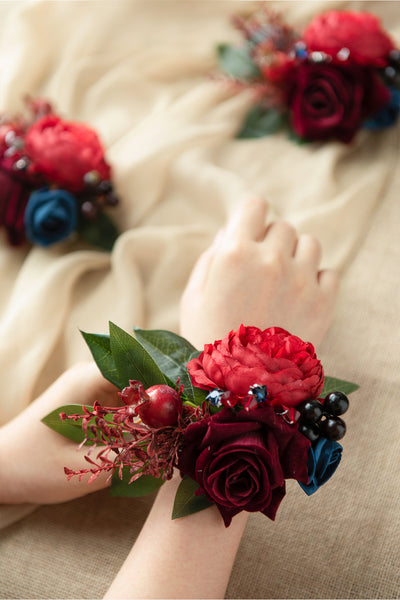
237,419
342,74
54,180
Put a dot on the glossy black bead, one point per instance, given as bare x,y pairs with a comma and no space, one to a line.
394,57
91,178
21,164
89,210
104,187
392,75
309,430
111,199
333,428
336,403
311,410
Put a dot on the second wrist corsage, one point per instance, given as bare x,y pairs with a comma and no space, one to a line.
341,74
54,180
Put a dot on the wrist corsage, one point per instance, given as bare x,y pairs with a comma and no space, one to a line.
340,75
54,180
237,419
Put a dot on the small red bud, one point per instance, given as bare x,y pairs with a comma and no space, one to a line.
134,393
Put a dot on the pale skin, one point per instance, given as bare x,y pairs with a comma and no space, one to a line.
252,274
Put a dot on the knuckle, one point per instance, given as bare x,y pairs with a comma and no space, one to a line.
286,228
236,252
311,241
276,264
302,284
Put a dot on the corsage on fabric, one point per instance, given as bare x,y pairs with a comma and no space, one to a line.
54,180
237,419
342,74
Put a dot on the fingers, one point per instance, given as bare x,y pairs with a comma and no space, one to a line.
248,221
308,257
308,252
280,238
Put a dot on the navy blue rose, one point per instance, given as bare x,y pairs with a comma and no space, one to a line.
388,115
323,459
50,216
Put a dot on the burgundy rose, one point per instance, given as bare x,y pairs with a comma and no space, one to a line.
329,101
63,151
241,460
360,33
14,196
284,363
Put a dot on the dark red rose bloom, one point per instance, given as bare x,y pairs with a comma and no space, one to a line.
330,101
241,460
63,151
284,363
360,32
14,196
15,189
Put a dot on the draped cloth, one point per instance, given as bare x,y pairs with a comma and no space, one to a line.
141,73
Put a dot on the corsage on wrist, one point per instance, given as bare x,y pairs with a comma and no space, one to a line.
342,74
54,180
237,419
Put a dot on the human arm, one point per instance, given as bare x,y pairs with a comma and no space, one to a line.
34,456
190,557
256,275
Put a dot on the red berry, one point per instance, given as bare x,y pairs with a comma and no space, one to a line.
162,407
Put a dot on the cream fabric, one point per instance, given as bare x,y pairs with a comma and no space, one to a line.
138,71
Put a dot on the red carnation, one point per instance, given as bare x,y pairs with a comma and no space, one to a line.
284,363
63,151
360,32
241,460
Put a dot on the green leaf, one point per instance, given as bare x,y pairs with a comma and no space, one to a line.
332,384
99,346
100,233
68,428
132,360
146,484
199,395
186,503
261,122
236,61
171,352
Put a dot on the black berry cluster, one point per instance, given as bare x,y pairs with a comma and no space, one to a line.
321,419
96,194
391,73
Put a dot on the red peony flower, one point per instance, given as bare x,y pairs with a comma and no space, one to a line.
241,460
284,363
360,32
63,151
331,101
